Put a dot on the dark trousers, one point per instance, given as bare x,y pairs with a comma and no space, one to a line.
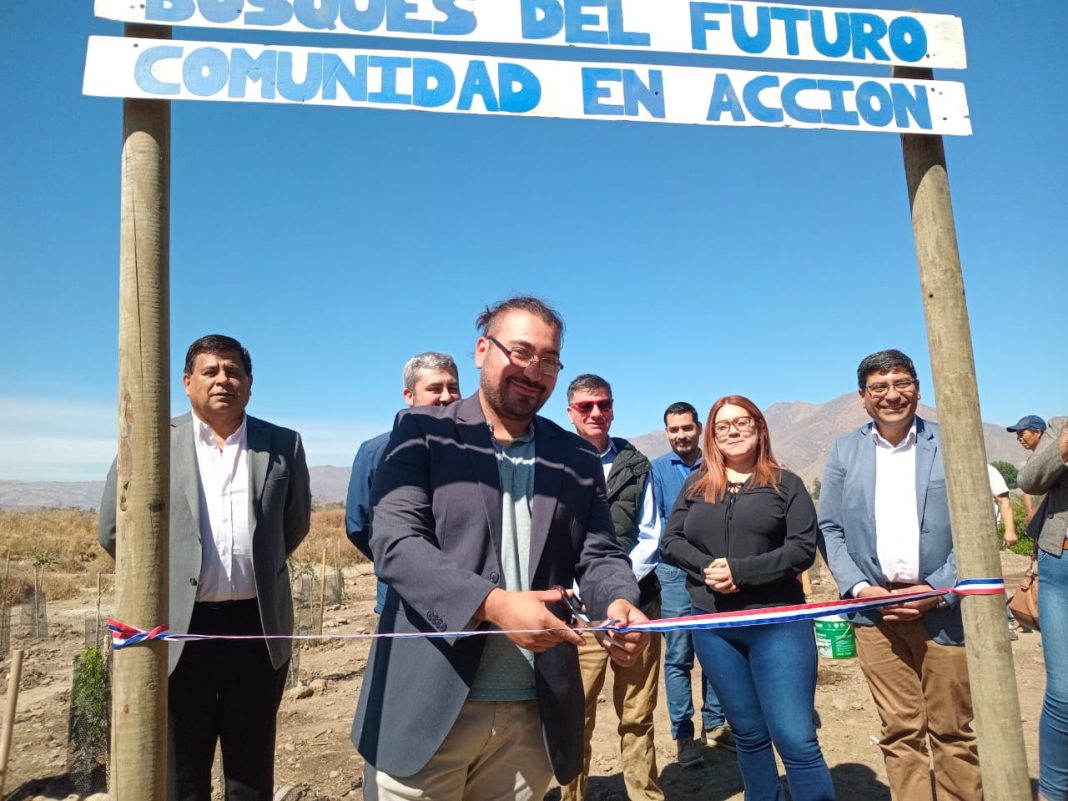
226,692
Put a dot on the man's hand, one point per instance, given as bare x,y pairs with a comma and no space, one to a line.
718,577
624,648
909,610
521,611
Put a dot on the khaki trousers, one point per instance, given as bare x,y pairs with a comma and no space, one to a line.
494,752
634,692
923,696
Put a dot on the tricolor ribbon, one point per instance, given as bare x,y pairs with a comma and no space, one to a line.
123,635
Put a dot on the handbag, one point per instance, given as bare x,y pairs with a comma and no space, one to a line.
1024,603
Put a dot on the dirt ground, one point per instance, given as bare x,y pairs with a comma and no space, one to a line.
316,761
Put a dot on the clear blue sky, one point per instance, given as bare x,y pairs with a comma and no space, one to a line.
688,262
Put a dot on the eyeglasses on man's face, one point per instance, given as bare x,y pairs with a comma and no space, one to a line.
586,407
743,425
523,358
903,387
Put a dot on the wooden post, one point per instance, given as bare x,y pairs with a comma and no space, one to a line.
10,706
139,708
322,592
993,681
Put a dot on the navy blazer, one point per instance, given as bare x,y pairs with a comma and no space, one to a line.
437,540
847,524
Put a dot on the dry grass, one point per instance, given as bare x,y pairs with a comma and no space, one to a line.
66,540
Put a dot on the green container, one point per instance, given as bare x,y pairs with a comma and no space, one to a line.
834,637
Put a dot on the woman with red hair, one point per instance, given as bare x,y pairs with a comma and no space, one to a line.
743,529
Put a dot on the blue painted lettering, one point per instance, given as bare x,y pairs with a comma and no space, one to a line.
874,104
433,83
363,19
868,29
594,92
637,93
824,46
700,24
790,17
205,71
221,11
540,19
911,101
353,81
169,10
144,75
724,98
271,12
289,87
245,68
751,43
457,22
477,82
518,87
837,113
316,15
908,39
753,103
793,108
387,92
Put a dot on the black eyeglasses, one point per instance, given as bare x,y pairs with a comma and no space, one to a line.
585,408
742,425
523,358
904,387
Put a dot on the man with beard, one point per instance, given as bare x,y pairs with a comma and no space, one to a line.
670,471
483,510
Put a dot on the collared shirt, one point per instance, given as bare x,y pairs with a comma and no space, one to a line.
226,570
645,554
669,474
506,671
897,524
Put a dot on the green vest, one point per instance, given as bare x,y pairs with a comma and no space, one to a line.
625,482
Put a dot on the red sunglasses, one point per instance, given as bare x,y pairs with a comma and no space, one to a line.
586,407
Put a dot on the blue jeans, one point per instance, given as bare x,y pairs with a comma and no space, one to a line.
678,660
1053,725
766,676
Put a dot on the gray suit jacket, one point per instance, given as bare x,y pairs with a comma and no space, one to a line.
847,524
1046,472
437,540
279,518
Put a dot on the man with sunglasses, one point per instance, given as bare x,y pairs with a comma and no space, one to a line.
885,529
482,512
637,527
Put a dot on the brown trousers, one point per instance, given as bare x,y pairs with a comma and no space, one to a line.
634,692
923,696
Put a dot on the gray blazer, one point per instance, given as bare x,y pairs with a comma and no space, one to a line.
279,518
1046,472
437,540
847,524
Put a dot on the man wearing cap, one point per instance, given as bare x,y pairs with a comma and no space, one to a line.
1047,472
1029,431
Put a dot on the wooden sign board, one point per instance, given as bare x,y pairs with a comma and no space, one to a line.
745,29
462,84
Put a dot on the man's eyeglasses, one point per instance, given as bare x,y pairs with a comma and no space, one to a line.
742,425
904,386
585,408
523,358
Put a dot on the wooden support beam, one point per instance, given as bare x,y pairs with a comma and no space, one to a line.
975,542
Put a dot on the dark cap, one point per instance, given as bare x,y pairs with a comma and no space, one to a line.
1030,421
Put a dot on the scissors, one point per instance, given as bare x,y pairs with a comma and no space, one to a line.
579,620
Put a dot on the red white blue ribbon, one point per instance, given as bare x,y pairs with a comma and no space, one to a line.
123,635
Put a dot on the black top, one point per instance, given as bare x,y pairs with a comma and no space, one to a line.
768,537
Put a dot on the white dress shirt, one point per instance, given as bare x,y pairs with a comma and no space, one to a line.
645,554
897,525
226,571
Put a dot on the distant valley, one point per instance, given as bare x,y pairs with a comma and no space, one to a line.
801,436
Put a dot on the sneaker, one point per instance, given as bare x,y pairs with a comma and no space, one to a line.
689,753
719,737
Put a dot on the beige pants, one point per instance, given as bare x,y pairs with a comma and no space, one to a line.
923,696
494,752
634,691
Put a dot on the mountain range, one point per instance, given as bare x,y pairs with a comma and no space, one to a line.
801,436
